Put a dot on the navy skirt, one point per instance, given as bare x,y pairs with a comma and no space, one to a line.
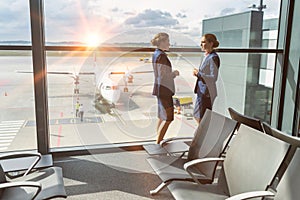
202,103
165,108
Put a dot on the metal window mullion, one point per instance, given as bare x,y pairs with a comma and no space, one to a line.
285,65
40,78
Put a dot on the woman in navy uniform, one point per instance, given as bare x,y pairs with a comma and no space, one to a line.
207,75
164,87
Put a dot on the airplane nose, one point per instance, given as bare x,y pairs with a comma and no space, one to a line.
116,96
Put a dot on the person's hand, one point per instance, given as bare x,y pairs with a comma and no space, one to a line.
195,72
176,72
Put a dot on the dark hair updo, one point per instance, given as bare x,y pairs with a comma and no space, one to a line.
212,38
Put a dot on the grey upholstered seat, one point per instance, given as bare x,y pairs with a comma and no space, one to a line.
208,141
294,141
180,144
250,164
288,187
44,183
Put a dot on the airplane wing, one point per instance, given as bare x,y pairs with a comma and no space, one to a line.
142,72
137,72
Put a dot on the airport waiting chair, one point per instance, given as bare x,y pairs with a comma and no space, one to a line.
35,184
169,146
288,186
172,146
251,164
244,119
208,141
175,145
294,141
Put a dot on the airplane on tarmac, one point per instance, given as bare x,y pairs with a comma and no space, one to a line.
110,90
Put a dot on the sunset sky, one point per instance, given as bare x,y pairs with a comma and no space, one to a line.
100,20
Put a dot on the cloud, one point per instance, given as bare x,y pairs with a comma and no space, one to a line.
152,18
227,11
180,15
72,19
115,9
14,20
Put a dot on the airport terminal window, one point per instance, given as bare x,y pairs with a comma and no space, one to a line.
15,23
133,117
250,92
71,71
17,117
292,79
97,22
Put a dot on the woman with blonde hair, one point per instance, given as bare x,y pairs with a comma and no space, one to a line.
164,86
207,75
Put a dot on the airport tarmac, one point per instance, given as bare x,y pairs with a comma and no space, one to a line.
133,119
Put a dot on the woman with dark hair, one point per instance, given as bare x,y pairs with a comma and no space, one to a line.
207,75
164,87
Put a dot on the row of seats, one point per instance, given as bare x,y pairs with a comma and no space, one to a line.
31,183
256,160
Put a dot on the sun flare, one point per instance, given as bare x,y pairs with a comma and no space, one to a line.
92,40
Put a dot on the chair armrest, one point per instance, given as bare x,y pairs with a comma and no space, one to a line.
22,155
250,195
164,141
189,164
23,184
201,160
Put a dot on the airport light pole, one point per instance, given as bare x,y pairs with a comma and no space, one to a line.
261,6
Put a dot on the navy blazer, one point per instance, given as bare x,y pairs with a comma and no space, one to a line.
208,75
163,76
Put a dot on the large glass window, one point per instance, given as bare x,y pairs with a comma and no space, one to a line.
93,76
290,100
91,22
14,23
17,116
250,91
93,79
284,109
133,116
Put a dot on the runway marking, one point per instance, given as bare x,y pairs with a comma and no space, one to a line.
59,134
5,140
8,131
13,122
67,121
